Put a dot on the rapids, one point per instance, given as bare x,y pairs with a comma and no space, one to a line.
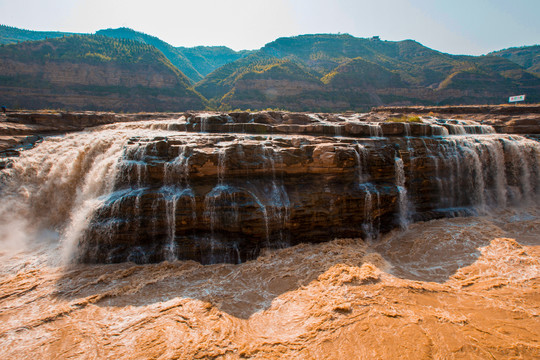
449,288
464,287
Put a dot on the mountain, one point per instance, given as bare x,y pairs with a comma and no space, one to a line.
195,63
222,80
319,72
10,35
526,56
356,73
93,73
208,58
277,83
173,54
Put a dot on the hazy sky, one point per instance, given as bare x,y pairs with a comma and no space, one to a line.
454,26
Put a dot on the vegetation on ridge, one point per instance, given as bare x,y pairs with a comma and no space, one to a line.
321,72
113,74
195,63
13,35
526,56
356,74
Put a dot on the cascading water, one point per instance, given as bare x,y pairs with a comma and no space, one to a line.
146,192
370,230
59,185
375,130
278,201
403,201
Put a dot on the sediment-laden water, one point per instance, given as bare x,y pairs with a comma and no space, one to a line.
450,288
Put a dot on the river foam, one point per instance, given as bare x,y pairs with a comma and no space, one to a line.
449,288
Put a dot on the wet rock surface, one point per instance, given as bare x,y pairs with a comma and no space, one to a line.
218,187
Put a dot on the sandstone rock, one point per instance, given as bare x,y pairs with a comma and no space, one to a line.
219,187
223,197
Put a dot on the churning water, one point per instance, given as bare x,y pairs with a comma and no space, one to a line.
465,287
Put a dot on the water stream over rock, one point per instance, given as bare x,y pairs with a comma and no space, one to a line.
155,190
314,237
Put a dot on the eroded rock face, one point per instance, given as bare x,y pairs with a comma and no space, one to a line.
217,187
220,195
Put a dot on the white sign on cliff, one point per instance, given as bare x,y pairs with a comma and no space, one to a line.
516,98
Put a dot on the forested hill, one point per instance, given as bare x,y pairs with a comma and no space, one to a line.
356,73
174,56
94,73
526,56
10,35
195,63
320,72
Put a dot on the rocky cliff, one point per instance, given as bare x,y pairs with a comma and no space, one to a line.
224,196
218,187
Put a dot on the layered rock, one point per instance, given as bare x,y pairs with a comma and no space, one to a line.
217,187
211,192
508,119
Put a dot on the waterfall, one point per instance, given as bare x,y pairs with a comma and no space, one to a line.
407,128
222,157
368,226
171,197
278,201
60,184
177,170
464,127
375,130
221,208
403,201
520,186
360,154
141,192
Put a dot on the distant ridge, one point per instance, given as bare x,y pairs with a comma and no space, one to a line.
315,72
357,73
526,56
90,72
195,62
10,35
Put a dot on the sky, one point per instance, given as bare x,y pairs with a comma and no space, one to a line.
471,27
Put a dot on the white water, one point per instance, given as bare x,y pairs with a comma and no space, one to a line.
403,201
449,288
57,187
375,130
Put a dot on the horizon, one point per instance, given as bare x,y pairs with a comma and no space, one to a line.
238,50
484,26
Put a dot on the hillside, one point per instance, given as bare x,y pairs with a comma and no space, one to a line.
92,73
170,52
10,35
277,83
222,80
195,62
208,58
321,72
356,73
526,56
